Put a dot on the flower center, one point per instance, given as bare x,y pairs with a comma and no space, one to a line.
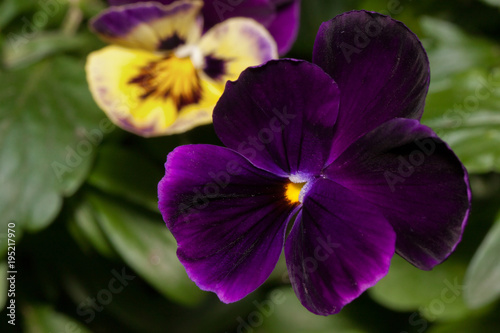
172,77
293,192
214,67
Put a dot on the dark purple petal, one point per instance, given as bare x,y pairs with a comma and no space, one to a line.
381,68
339,246
228,217
280,116
418,183
216,11
285,26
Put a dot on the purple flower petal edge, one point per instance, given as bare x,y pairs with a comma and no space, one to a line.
416,181
118,22
381,68
280,17
280,116
285,26
226,216
339,246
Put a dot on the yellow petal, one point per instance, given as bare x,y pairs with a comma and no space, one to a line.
150,94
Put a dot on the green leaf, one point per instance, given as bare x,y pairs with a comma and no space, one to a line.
21,52
3,284
91,8
44,319
484,322
483,275
464,96
452,51
85,228
46,113
399,10
465,113
436,294
129,174
281,311
492,2
9,9
145,244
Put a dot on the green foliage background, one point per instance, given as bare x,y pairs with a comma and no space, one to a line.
83,218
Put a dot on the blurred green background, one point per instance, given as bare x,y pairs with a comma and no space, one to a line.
92,251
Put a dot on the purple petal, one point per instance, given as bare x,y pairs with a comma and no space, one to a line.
150,25
216,11
381,68
280,17
127,2
228,217
285,26
417,181
339,246
280,116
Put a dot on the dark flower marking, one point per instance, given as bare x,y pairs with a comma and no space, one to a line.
171,43
215,68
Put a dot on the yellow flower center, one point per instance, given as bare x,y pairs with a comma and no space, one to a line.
170,78
293,192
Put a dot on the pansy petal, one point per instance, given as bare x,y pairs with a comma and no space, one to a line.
149,94
339,246
216,11
150,26
418,183
285,26
380,67
127,2
280,116
228,218
232,46
280,17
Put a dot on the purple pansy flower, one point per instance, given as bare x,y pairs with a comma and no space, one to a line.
280,17
340,155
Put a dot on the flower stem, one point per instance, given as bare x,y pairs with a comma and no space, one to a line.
73,18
